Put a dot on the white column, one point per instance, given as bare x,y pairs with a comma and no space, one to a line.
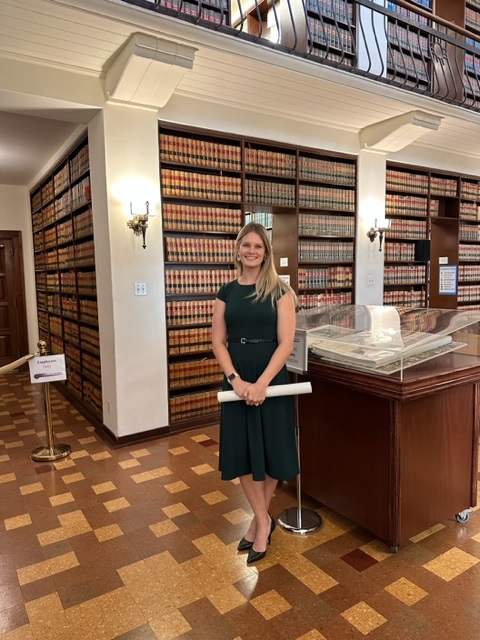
369,261
124,162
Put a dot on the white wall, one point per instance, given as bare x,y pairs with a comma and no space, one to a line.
15,216
124,163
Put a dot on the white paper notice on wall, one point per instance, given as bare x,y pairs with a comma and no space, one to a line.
47,368
443,260
285,277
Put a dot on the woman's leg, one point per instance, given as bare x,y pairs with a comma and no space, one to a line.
259,494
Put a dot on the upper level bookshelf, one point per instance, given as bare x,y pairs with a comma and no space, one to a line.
211,183
64,257
209,11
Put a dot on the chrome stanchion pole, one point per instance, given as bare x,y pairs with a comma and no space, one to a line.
50,452
299,519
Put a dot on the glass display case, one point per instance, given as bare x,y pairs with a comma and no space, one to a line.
386,340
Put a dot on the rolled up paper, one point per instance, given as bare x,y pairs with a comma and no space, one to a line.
294,389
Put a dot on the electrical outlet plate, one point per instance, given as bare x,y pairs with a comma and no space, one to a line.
140,288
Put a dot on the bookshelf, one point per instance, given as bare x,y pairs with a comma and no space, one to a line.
469,244
208,11
407,207
211,183
64,256
440,207
331,30
408,49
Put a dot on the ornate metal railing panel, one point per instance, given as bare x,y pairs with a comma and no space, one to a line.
398,44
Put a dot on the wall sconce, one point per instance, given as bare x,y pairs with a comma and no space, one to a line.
379,230
139,223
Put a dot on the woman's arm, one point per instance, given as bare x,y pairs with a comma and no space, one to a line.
255,393
219,345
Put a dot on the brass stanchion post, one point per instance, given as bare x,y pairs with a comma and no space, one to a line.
50,452
299,519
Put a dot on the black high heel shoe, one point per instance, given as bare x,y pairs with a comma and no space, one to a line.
254,556
246,545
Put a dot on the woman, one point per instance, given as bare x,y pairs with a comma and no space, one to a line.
252,335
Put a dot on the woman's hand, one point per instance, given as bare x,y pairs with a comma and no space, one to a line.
255,393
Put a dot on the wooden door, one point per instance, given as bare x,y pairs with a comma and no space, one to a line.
13,319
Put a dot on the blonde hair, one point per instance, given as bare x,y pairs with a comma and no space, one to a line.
269,283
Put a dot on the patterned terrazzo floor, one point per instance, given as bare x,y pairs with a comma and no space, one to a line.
139,542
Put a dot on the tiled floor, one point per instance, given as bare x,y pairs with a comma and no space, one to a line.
139,542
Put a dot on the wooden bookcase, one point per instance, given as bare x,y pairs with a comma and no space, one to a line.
207,11
440,207
211,183
408,50
64,258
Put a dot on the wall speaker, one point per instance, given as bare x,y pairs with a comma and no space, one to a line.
422,250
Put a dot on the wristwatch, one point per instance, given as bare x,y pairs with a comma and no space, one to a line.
231,377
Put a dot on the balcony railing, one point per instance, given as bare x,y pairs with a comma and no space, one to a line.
401,44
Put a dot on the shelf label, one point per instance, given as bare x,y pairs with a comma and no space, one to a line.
447,281
47,368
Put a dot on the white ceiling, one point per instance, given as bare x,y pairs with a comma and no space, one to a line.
54,54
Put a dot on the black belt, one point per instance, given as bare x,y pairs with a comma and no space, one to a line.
252,340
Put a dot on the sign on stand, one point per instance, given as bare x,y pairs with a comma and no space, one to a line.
47,368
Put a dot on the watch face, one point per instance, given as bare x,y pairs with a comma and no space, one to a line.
231,377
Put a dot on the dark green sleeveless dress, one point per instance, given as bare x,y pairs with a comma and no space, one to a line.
257,440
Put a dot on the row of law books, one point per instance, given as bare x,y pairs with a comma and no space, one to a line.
470,189
184,217
399,252
335,9
469,272
469,293
187,184
330,35
405,298
191,405
180,281
404,274
185,249
469,232
405,228
469,253
91,367
321,225
469,211
325,277
92,394
88,310
326,170
407,181
189,312
189,373
270,162
79,163
309,301
206,153
409,39
442,186
264,192
324,197
409,65
189,340
61,179
312,251
405,205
